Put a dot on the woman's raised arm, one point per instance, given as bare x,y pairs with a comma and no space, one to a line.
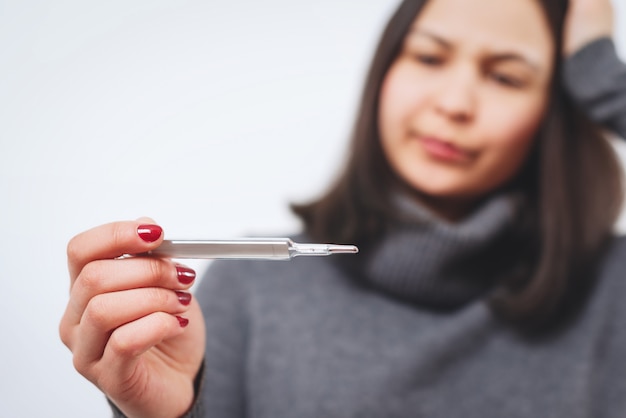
593,72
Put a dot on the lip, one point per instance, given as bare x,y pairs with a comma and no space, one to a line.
444,150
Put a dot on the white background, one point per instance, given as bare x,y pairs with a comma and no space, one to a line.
209,116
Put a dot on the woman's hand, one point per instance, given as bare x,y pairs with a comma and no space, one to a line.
586,21
132,328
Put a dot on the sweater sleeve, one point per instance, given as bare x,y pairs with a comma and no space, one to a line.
196,410
596,78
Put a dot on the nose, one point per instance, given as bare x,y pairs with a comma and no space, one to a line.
456,97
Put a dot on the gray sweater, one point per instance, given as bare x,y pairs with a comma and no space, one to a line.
314,338
304,339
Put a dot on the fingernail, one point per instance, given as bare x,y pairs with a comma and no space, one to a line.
183,297
185,274
149,233
182,321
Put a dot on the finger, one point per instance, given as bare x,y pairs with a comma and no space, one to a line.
110,241
128,342
109,311
106,276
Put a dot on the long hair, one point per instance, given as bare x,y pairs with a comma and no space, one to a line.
571,182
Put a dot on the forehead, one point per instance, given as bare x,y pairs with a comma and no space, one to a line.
503,25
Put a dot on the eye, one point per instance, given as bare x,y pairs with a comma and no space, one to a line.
506,80
428,59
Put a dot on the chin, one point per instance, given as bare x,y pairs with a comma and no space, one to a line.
441,190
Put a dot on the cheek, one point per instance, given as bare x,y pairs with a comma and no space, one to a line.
389,112
517,126
512,139
400,97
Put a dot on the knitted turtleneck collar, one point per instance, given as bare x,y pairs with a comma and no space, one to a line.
442,265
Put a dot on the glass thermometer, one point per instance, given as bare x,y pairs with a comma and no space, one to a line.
249,248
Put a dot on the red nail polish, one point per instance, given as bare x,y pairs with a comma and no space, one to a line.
149,233
183,297
185,274
182,321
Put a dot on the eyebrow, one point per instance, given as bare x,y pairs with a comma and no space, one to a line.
432,36
493,58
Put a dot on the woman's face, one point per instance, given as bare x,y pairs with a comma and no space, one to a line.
460,105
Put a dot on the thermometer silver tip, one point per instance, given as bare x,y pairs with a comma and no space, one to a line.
342,249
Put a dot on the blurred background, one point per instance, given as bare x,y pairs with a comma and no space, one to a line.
208,116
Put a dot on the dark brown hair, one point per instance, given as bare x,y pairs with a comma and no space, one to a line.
571,183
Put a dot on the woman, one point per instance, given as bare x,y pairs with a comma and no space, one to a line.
488,283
